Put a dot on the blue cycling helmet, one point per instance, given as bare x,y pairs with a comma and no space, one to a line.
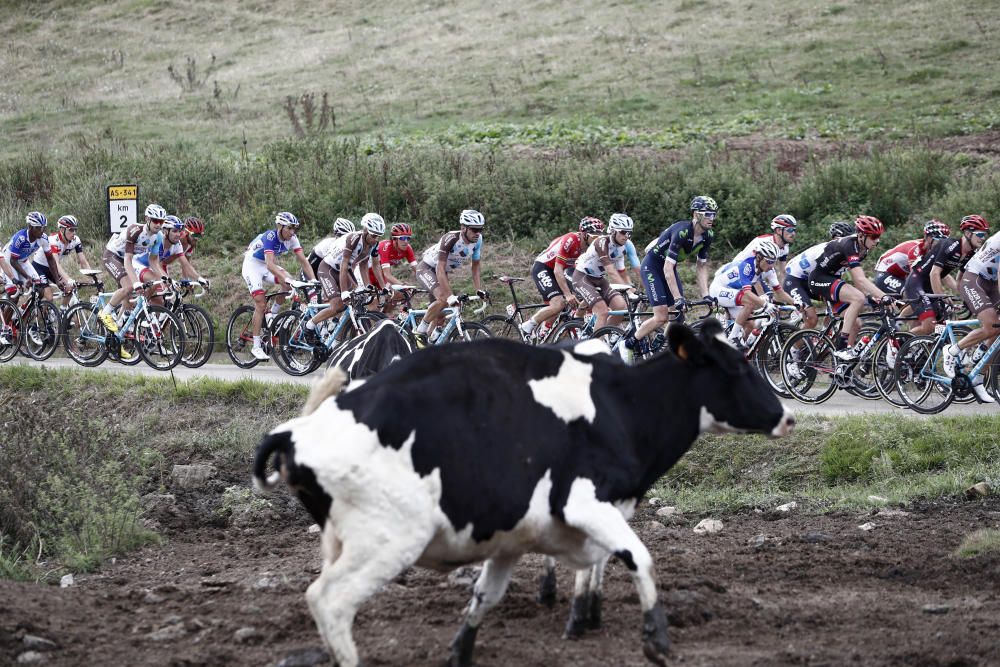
172,222
36,219
286,219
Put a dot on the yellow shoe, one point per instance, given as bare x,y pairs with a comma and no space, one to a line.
124,354
421,340
108,320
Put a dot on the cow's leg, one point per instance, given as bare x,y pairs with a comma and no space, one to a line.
577,624
362,555
547,582
604,524
596,593
489,589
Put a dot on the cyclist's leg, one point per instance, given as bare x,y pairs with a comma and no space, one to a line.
331,294
920,305
616,302
982,297
548,288
798,289
660,298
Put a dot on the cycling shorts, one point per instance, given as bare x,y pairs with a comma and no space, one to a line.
590,290
256,275
329,278
114,265
978,293
888,283
655,283
826,287
545,281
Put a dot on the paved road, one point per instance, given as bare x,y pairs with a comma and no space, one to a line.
841,403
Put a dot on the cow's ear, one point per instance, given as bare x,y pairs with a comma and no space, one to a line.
684,343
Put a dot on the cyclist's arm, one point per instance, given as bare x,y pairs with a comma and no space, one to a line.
442,277
703,278
5,267
477,279
81,260
616,276
937,286
860,280
670,275
951,282
307,269
61,275
187,271
363,270
279,273
19,268
560,271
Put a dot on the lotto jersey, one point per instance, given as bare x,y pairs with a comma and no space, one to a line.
388,255
19,249
897,261
603,252
58,247
454,250
269,241
754,245
984,262
566,248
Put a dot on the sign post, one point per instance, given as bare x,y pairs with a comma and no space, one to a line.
123,207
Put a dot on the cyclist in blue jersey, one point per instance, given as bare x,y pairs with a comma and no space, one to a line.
166,249
24,244
260,268
659,267
734,283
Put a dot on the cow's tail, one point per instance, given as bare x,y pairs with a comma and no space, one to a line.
331,384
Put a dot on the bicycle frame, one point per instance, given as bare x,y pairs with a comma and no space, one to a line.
947,336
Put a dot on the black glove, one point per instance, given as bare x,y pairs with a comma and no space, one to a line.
483,294
681,304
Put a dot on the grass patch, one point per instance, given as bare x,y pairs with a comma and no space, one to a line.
837,462
979,543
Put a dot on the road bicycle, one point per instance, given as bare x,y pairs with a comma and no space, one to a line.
40,323
509,325
199,331
10,329
239,331
456,328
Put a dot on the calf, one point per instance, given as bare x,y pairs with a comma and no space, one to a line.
489,450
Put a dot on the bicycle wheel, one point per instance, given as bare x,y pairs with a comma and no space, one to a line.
239,337
609,334
501,326
10,330
572,331
808,366
293,354
767,357
84,335
159,336
471,331
199,336
884,366
919,374
41,327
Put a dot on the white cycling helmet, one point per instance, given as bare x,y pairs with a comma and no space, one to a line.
620,222
68,222
472,218
286,219
156,212
36,219
768,249
373,224
784,221
343,226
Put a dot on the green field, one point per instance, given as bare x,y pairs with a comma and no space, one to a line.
532,72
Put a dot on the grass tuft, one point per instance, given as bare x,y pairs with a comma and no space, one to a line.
979,543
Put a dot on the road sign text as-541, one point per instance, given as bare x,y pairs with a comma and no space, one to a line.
123,207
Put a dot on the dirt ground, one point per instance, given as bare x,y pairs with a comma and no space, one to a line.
770,589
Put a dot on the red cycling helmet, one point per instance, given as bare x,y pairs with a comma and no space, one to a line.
936,229
868,225
591,225
194,225
401,229
974,223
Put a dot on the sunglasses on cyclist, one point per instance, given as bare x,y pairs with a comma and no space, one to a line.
979,235
627,234
401,238
770,262
710,214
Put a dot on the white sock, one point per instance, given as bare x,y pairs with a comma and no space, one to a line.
422,327
106,310
953,350
256,341
310,325
275,307
530,324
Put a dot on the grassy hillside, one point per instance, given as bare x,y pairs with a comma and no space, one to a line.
533,71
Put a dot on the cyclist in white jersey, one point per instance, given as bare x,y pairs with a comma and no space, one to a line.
799,268
978,288
63,243
341,227
453,250
783,230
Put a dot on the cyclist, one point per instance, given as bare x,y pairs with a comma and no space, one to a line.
659,266
550,267
336,271
341,227
603,259
260,268
846,254
24,244
194,229
783,230
118,253
152,264
978,288
392,252
930,277
62,243
797,272
733,288
453,250
951,254
894,265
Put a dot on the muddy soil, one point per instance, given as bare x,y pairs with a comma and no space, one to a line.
770,589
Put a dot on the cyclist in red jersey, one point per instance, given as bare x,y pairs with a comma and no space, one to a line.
549,271
194,229
393,252
894,265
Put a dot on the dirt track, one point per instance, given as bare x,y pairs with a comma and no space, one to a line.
817,591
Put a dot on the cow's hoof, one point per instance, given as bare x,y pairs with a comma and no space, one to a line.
578,622
655,643
307,657
462,646
547,589
594,613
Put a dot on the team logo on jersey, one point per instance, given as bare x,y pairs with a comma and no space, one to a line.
747,270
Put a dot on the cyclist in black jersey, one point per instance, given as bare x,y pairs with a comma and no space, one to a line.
841,255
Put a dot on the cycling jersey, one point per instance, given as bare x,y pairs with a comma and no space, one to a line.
19,249
803,264
897,261
741,274
566,248
389,255
188,244
270,242
678,241
947,254
602,253
984,262
631,255
323,248
136,239
454,249
352,246
159,249
58,247
841,254
754,246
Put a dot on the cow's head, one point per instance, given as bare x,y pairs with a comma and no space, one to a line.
733,395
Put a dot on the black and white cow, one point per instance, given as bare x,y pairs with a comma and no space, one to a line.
492,449
369,353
